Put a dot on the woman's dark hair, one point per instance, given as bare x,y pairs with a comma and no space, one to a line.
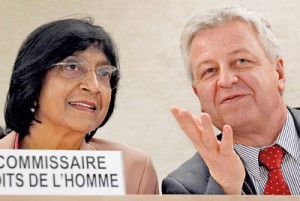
2,132
45,46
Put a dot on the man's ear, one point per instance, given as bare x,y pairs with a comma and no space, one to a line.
281,74
195,90
196,93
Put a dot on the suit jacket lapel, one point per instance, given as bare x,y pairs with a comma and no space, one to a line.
296,116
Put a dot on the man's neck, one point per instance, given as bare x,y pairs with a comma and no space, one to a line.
263,134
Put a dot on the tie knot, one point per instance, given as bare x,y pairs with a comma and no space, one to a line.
271,157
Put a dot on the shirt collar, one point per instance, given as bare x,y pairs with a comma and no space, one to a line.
249,156
287,138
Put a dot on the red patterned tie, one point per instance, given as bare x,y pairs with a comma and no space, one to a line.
271,159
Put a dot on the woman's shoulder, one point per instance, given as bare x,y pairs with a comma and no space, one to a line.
8,141
2,133
140,173
134,159
109,145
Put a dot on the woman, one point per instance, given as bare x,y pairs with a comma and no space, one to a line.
62,89
1,132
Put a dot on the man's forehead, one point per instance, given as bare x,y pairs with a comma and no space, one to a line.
226,35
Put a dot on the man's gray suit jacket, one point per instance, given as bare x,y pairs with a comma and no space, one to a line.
193,176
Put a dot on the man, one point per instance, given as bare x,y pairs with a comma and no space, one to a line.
234,63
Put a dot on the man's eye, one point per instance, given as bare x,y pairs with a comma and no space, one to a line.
209,71
241,61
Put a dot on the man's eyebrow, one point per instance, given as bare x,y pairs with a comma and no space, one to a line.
240,50
233,52
204,62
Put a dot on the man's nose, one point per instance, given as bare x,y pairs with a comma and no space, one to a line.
227,77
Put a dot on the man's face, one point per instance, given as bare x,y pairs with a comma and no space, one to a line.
234,80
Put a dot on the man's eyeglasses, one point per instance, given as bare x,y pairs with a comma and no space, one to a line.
77,68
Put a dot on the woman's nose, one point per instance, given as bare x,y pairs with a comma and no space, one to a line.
91,83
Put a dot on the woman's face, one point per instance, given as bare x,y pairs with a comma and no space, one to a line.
76,104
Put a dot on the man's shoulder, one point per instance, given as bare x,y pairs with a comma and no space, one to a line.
190,168
191,177
295,112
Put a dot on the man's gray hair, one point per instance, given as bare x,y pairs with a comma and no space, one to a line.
223,15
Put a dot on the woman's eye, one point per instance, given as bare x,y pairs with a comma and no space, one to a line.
72,66
104,73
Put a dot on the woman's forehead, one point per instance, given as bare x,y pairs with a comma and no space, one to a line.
92,53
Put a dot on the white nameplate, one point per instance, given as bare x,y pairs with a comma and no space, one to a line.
57,172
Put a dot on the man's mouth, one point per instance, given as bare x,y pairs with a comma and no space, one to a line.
231,98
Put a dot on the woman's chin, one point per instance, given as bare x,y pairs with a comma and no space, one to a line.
83,128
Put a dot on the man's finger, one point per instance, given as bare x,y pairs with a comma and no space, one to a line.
190,126
175,112
208,135
226,145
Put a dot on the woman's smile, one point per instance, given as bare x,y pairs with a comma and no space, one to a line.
83,106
